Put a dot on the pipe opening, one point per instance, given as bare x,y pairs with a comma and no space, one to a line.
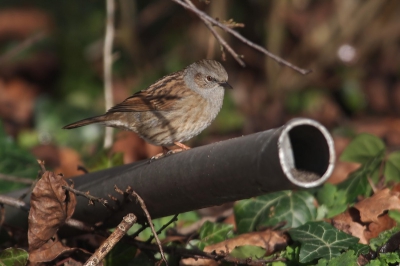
306,153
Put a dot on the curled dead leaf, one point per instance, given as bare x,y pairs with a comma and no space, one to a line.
51,206
271,241
369,217
373,207
50,250
198,262
348,222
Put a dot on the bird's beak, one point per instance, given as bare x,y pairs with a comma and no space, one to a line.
225,85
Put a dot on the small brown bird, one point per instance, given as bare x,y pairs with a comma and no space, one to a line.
174,109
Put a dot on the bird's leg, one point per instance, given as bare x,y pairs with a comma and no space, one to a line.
167,151
164,152
182,146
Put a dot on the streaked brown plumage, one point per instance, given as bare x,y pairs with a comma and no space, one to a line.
174,109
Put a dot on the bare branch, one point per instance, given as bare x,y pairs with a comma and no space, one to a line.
146,212
107,65
221,40
16,179
204,17
79,225
173,219
91,198
141,229
112,240
232,24
16,203
42,167
28,42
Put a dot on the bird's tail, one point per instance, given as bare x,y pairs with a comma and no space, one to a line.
87,121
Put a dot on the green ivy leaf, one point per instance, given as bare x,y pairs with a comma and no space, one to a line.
390,258
392,167
327,194
374,263
395,215
295,208
320,240
357,182
383,237
248,251
211,233
360,249
347,258
334,199
363,148
13,257
157,223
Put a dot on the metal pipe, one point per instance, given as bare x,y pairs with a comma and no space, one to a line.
298,154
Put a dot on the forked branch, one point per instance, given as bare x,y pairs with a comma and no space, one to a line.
210,22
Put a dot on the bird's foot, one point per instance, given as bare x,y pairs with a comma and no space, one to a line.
182,147
161,154
175,151
167,151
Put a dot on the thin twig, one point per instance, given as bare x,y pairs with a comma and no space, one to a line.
42,167
16,203
199,254
107,65
219,37
203,16
143,205
16,179
25,44
92,199
141,229
193,253
19,204
33,184
79,225
371,183
174,219
26,193
112,240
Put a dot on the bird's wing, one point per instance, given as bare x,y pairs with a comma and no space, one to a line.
161,96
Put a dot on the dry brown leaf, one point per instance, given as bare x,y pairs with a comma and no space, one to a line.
198,262
383,223
342,169
51,205
48,252
368,217
396,188
348,224
268,239
373,207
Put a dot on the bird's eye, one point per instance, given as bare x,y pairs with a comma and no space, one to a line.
209,78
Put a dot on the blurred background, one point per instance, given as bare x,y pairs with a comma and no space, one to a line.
51,73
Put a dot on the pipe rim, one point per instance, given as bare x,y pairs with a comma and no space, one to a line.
287,160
